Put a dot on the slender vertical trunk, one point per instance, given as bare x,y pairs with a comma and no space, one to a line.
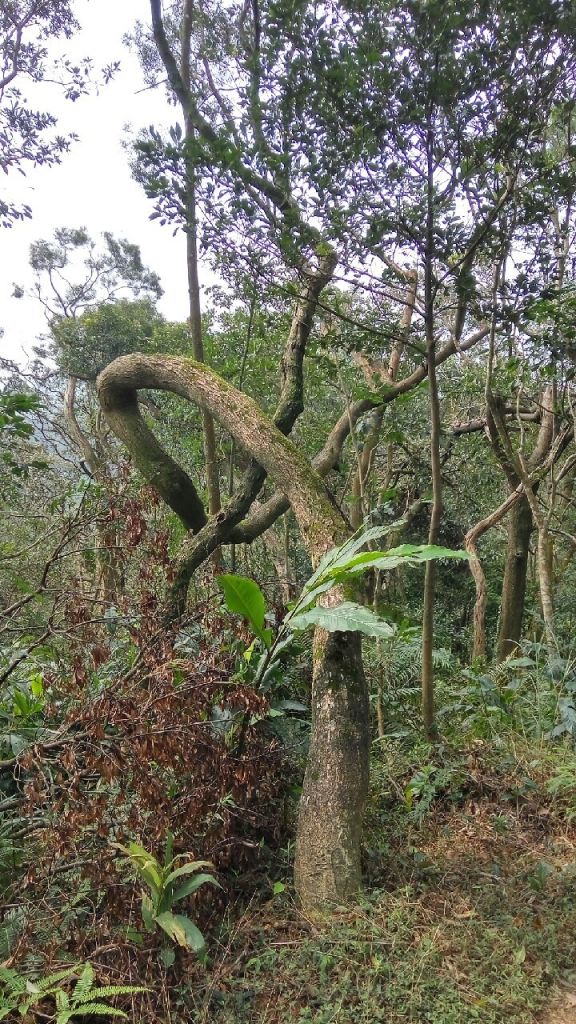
513,597
208,431
366,456
522,467
545,574
380,721
288,572
471,544
435,461
232,456
279,556
479,613
365,459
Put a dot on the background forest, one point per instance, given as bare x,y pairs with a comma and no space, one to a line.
288,676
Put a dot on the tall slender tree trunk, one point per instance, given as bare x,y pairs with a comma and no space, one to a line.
471,544
374,372
512,602
435,460
365,459
550,446
545,553
208,431
280,557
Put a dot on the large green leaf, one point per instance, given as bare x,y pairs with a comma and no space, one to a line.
182,930
243,596
363,537
187,888
350,559
345,617
337,555
172,893
144,863
406,554
187,869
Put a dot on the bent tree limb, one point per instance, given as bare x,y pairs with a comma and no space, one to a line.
327,865
223,528
239,522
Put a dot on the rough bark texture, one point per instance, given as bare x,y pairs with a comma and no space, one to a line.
335,787
327,866
515,575
228,526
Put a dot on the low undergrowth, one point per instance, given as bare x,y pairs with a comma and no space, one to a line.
145,740
470,915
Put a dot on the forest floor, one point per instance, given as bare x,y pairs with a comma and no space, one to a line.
469,915
562,1010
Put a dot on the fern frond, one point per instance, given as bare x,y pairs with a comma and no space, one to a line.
12,981
116,990
82,990
51,979
100,1008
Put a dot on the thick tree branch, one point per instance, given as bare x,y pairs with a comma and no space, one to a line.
117,387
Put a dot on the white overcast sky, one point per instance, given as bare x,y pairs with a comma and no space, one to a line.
93,186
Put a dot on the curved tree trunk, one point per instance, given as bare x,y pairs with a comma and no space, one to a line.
335,786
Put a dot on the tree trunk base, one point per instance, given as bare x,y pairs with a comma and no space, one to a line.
327,865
